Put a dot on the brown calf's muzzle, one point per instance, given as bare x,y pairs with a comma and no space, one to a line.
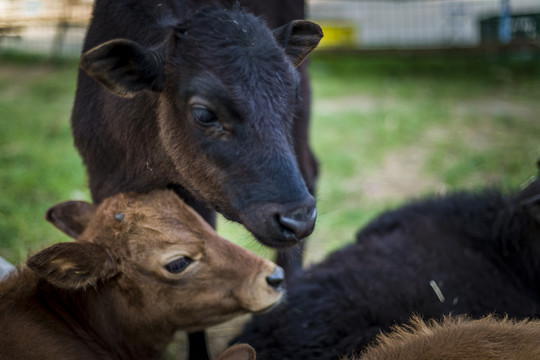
267,292
255,284
263,295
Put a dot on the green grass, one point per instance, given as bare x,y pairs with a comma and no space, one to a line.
460,123
39,166
385,129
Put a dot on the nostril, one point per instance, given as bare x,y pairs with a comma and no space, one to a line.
300,221
276,278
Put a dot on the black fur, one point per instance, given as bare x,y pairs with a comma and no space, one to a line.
481,250
154,62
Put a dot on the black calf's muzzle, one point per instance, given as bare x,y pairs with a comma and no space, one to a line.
281,225
299,222
296,221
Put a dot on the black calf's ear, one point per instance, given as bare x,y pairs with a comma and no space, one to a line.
124,67
73,265
238,352
72,217
298,38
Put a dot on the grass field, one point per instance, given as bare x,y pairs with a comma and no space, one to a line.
384,130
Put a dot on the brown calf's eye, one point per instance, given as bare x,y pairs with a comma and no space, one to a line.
178,265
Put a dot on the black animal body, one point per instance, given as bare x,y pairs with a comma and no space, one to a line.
472,253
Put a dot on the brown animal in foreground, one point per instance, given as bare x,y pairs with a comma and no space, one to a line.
459,338
142,267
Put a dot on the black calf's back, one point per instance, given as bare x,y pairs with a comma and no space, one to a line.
467,253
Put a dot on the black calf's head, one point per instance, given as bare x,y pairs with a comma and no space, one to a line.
227,88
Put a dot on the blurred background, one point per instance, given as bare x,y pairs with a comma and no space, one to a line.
410,98
57,27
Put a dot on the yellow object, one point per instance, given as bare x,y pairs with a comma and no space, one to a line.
337,33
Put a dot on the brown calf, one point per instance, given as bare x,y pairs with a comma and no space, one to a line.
142,267
459,338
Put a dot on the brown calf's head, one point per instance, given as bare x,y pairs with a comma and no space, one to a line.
239,352
227,94
158,260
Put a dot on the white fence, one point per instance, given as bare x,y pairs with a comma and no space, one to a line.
424,23
51,26
58,26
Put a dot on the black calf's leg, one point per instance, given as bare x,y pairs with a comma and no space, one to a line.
197,346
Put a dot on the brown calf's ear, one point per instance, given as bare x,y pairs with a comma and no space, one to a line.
238,352
298,38
73,265
72,217
124,67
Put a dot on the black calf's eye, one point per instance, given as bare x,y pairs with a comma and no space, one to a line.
204,116
178,265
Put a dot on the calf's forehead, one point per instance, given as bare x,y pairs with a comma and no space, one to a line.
240,51
159,216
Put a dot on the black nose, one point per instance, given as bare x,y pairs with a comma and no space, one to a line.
276,279
281,225
299,221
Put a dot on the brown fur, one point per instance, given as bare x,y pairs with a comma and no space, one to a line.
108,295
459,338
239,352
